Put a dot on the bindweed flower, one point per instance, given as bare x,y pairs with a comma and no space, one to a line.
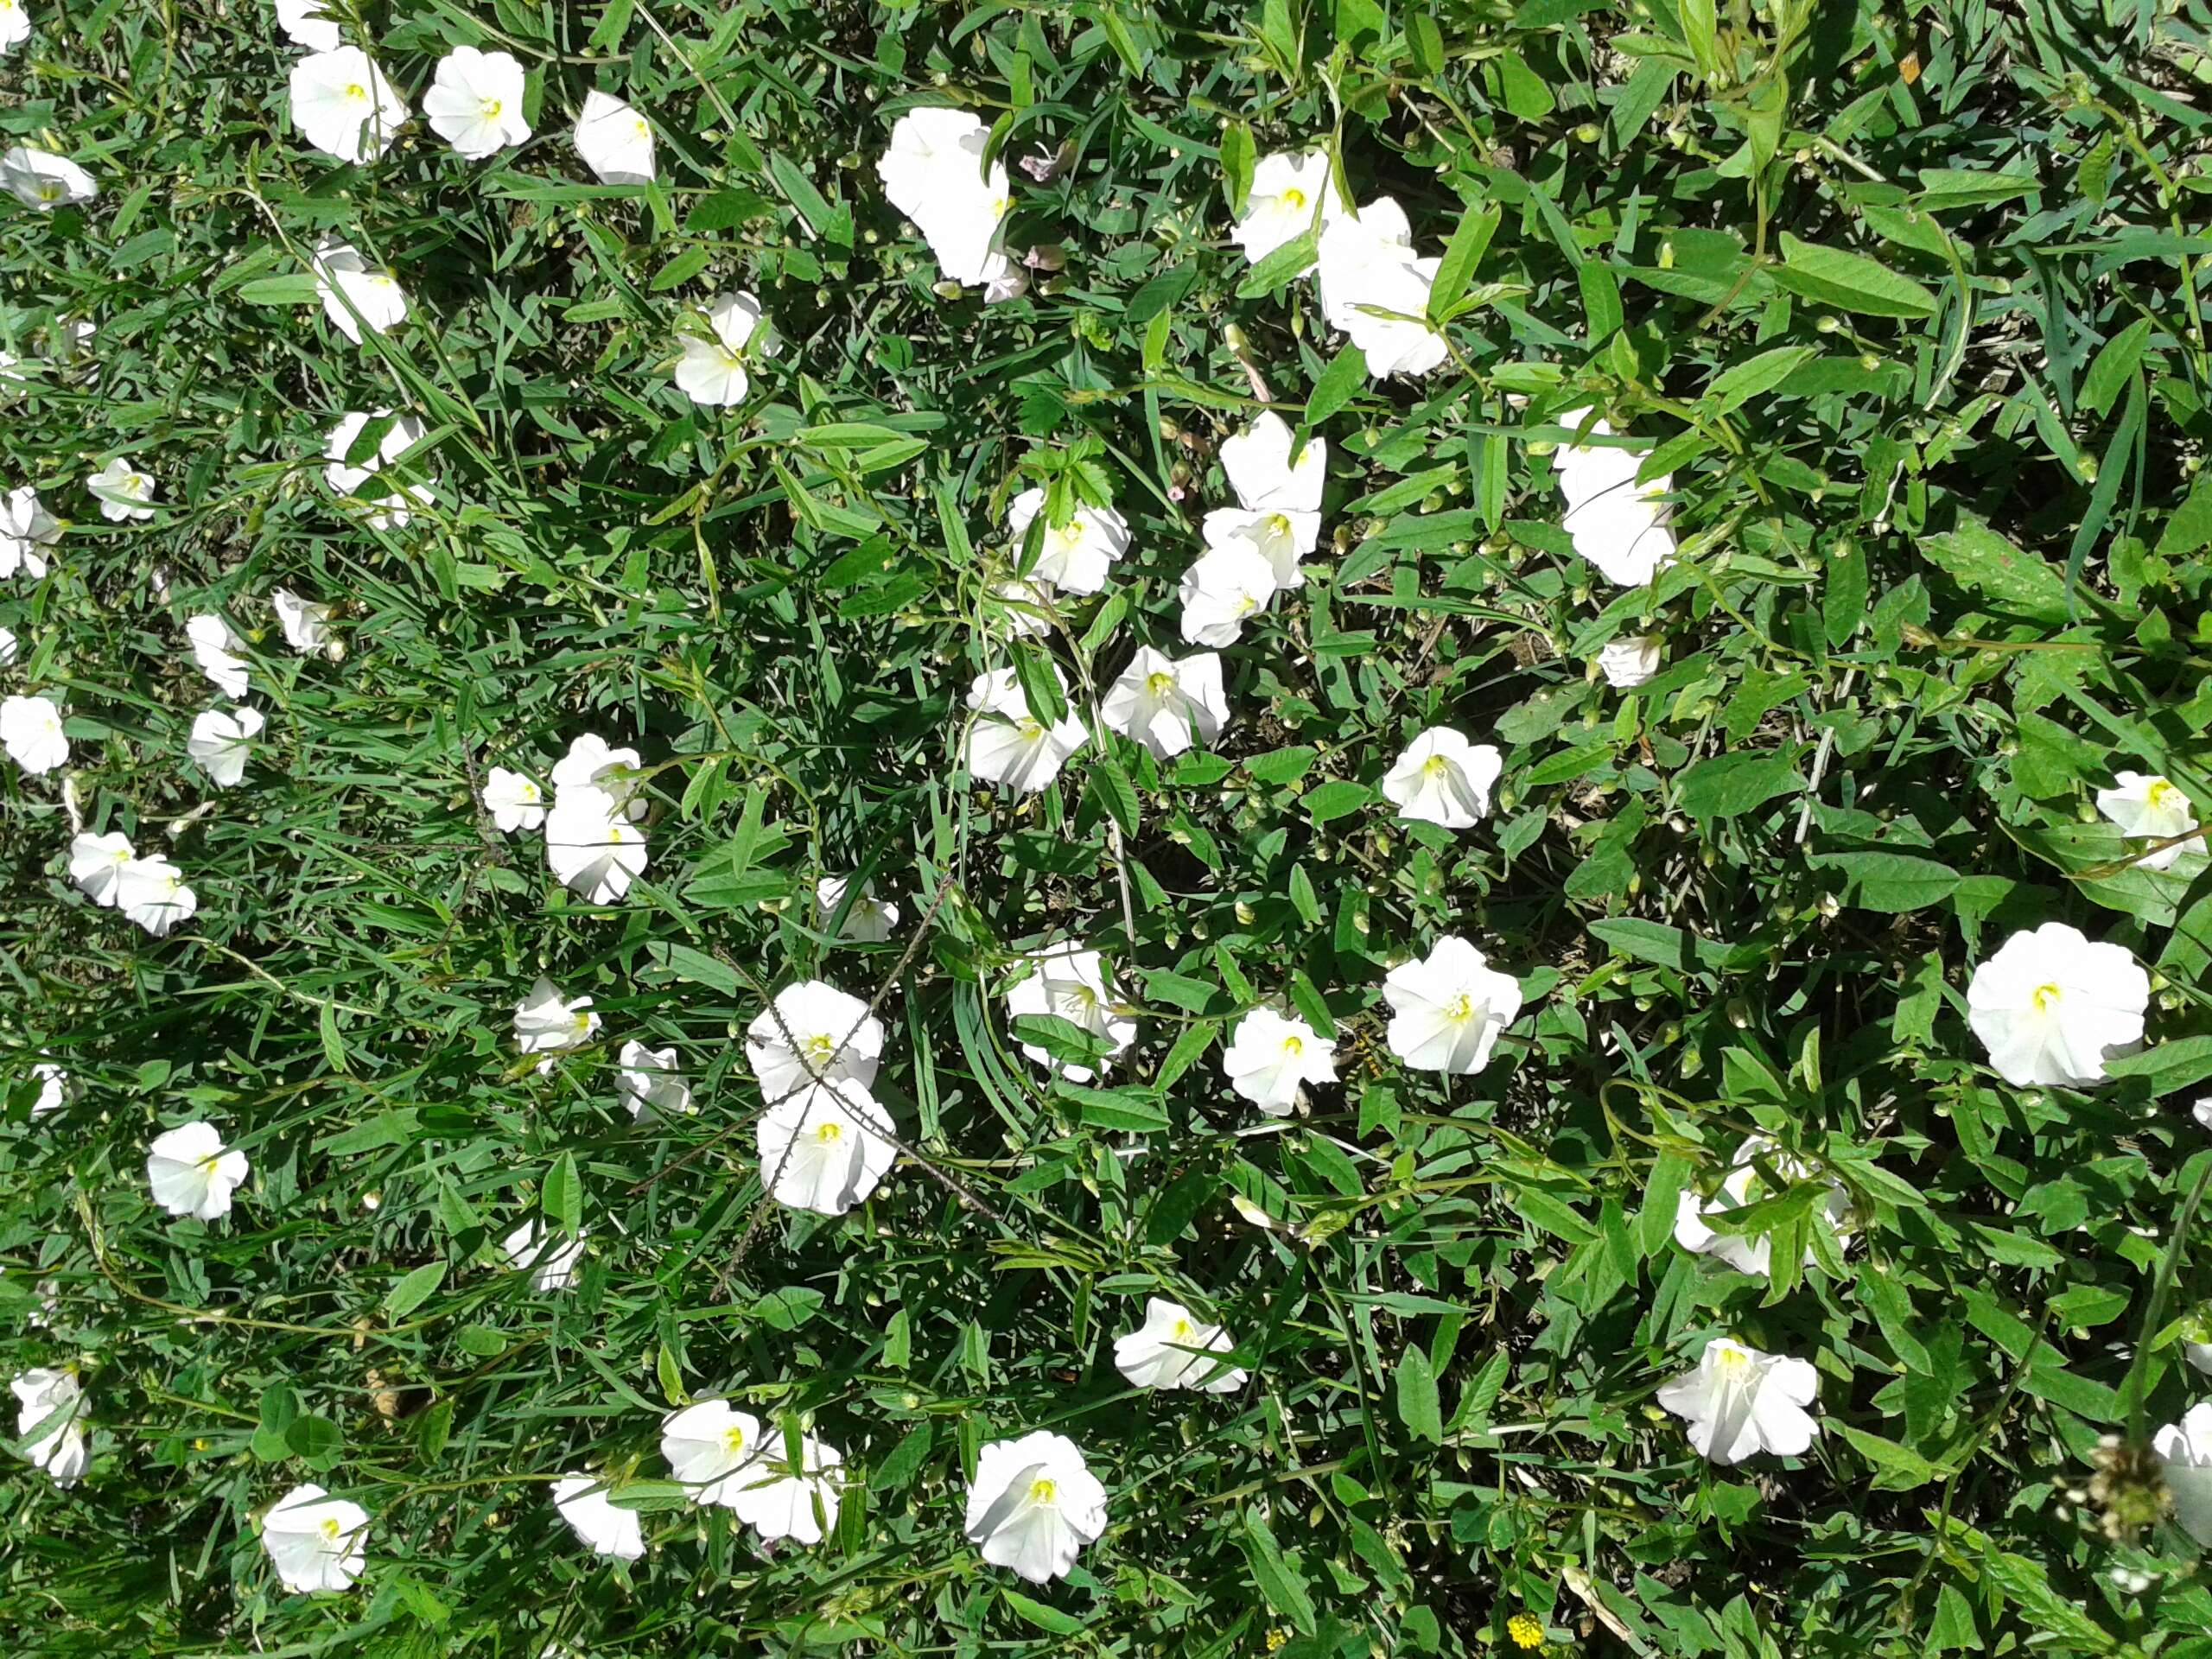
15,25
220,740
712,369
150,892
1223,589
825,1146
1279,510
1272,1059
55,1400
546,1022
615,141
474,102
315,1541
1744,1184
1739,1401
55,1090
2184,1453
30,730
933,173
1618,525
868,920
1010,746
1167,705
1071,982
306,624
354,292
2150,806
121,491
27,530
587,1503
1630,661
1448,1008
305,24
514,802
814,1033
708,1446
651,1078
193,1173
389,509
592,846
591,764
2051,1007
1292,193
43,180
1374,289
1034,1505
550,1259
778,1499
1173,1350
1073,557
214,648
343,106
1442,778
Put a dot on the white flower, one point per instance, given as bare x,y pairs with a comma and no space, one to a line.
150,892
43,180
474,102
2184,1451
2198,1354
546,1022
1630,660
56,1399
869,921
1010,746
1034,1505
614,141
391,508
97,864
1167,705
550,1259
305,623
813,1033
592,846
1022,607
353,292
52,1088
1744,1184
933,173
590,764
304,24
2151,807
315,1541
651,1078
1619,526
214,648
15,25
30,729
1226,585
1271,1056
712,370
778,1501
26,529
825,1147
1739,1401
2051,1007
2201,1111
1373,288
1289,190
587,1506
1071,982
514,802
1158,1354
121,491
219,743
1448,1009
343,105
1443,778
1278,505
708,1446
193,1173
1073,557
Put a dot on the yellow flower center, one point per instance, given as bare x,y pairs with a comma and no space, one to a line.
829,1133
1526,1630
2046,997
1246,604
1461,1006
1436,766
1159,685
1183,1331
329,1528
208,1163
1002,205
1293,199
733,1439
528,792
492,106
356,91
1734,1359
639,130
2160,795
1029,728
580,1020
819,1048
1043,1491
49,191
1277,524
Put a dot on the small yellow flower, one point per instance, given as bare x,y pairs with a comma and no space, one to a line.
1526,1630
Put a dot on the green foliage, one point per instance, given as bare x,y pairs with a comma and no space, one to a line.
1908,304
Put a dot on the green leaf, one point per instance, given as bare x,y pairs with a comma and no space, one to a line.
1850,281
412,1291
1734,387
1700,27
1976,557
562,1200
1729,785
1461,256
1280,1580
1339,383
1238,157
1285,265
1111,786
1051,1620
1418,1407
1891,882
